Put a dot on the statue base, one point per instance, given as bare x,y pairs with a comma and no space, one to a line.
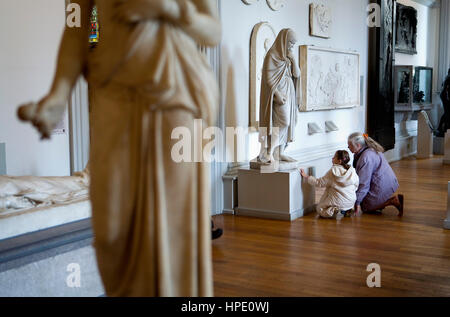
281,195
447,148
273,166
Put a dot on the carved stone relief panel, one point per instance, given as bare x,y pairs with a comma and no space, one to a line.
320,20
330,78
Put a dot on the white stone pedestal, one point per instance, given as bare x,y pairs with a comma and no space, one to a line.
229,193
281,195
447,148
447,221
438,145
424,136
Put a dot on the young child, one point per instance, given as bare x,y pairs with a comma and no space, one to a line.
341,183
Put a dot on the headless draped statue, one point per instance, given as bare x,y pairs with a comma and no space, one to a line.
150,215
278,102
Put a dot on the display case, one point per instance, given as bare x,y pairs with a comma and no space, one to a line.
422,85
413,87
403,86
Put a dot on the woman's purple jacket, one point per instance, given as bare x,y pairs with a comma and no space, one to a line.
377,180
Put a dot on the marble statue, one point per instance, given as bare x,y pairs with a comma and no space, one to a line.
278,101
444,123
25,192
150,215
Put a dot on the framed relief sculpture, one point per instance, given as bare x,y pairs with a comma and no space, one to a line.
330,78
406,30
413,87
319,20
403,86
423,85
262,38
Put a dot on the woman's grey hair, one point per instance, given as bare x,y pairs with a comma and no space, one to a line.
365,140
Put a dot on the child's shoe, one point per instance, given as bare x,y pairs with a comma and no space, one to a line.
346,213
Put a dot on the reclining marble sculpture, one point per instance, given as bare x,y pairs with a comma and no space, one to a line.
25,192
150,215
278,102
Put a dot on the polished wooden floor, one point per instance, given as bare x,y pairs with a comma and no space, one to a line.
319,257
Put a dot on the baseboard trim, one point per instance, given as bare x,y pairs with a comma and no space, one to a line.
277,215
24,249
228,212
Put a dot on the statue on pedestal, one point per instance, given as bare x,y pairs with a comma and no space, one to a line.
444,124
279,107
150,214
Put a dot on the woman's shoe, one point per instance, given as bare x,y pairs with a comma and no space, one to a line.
217,233
400,207
397,202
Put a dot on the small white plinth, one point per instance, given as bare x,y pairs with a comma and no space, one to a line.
281,195
424,136
229,193
447,221
438,145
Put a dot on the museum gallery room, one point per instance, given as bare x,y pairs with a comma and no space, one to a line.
247,148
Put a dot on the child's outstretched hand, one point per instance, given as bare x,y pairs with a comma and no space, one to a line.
302,172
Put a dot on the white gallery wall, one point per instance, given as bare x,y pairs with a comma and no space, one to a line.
349,31
30,31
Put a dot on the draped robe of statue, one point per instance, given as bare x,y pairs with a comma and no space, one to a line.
150,215
277,74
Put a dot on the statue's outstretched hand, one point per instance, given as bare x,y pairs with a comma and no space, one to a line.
44,115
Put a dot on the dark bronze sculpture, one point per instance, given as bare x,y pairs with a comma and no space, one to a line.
444,124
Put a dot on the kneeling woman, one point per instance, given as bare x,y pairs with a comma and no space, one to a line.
341,182
377,180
